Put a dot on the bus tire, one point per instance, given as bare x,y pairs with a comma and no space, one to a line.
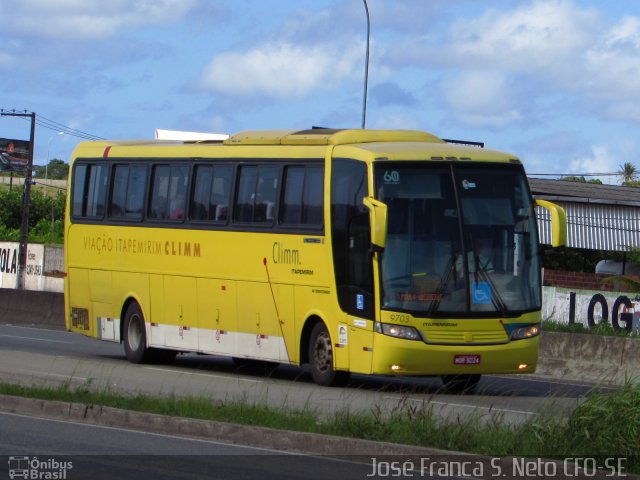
321,358
460,383
135,335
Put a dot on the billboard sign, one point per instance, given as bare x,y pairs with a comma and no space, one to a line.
14,155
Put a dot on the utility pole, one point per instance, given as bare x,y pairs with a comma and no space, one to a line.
26,200
366,68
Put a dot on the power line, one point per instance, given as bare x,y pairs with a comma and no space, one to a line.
53,125
605,174
59,127
600,226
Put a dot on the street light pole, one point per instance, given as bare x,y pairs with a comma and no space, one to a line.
46,165
366,68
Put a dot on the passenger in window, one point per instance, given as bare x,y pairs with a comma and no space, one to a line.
480,259
177,208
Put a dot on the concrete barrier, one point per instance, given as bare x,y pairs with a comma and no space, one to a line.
575,357
32,309
590,358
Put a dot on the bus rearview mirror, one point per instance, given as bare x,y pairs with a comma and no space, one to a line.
558,222
378,221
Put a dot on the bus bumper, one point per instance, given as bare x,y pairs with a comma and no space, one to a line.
394,356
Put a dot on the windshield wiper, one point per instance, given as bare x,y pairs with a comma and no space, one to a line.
479,274
481,271
444,283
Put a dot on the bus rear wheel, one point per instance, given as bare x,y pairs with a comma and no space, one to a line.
321,359
135,340
135,335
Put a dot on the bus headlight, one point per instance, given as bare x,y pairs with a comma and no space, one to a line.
528,331
398,331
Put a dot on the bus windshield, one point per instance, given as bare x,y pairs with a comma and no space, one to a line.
461,239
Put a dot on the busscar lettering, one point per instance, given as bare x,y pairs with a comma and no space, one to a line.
301,271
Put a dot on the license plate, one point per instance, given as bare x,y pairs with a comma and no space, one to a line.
466,360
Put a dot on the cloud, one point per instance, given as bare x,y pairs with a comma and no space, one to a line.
527,38
481,99
73,19
279,70
389,93
6,60
568,52
396,120
612,69
601,160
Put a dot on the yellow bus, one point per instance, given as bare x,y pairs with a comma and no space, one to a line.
388,252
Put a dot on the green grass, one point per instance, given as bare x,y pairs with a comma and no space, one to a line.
605,425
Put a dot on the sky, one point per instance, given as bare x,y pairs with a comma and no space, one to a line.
555,82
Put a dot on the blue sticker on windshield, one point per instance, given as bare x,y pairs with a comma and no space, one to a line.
360,302
481,293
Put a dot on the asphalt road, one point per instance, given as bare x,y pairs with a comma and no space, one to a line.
37,356
52,357
98,452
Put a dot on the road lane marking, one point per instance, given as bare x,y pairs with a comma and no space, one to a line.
66,376
208,375
463,405
33,338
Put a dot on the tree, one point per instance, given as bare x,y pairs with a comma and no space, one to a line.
56,170
581,179
629,173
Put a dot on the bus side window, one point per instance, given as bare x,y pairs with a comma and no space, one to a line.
266,192
96,191
243,211
79,195
291,206
220,193
119,190
257,191
135,191
159,192
313,196
178,192
302,198
127,194
168,192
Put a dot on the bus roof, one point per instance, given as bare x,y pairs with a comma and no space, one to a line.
364,144
328,136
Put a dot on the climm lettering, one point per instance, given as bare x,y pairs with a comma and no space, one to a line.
285,256
182,249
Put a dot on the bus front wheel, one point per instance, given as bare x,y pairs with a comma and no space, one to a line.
321,359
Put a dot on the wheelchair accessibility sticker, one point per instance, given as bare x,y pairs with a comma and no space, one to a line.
481,293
